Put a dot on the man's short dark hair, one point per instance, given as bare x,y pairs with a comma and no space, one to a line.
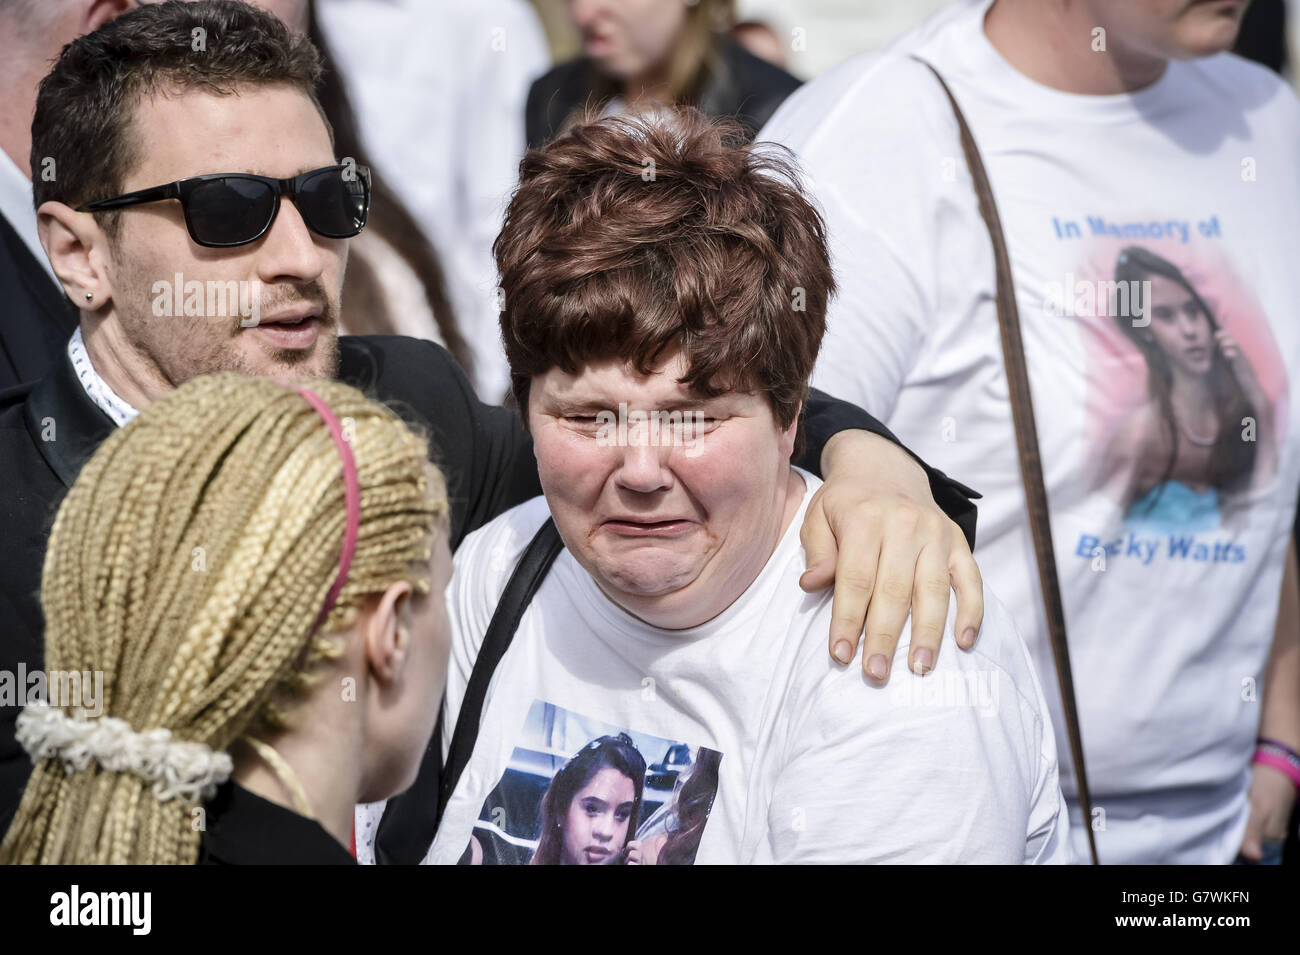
86,103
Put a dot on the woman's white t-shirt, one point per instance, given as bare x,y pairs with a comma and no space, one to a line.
816,764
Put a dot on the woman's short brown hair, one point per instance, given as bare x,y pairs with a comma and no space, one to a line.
634,236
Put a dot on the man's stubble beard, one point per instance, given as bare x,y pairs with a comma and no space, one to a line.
178,355
286,365
180,362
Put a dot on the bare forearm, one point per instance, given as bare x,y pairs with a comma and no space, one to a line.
1280,719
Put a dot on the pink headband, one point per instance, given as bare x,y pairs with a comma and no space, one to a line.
352,497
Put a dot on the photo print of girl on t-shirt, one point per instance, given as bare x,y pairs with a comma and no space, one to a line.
581,792
1199,430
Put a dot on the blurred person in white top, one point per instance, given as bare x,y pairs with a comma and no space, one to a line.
1145,180
438,88
808,37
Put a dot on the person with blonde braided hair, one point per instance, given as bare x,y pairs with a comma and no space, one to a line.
241,592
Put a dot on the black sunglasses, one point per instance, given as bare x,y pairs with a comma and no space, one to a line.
229,209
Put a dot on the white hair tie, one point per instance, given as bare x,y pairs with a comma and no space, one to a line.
191,771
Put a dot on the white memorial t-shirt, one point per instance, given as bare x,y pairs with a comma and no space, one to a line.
1170,469
799,759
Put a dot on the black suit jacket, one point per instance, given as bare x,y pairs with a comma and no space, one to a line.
36,320
49,430
740,85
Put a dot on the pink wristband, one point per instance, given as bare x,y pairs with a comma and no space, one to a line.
1280,763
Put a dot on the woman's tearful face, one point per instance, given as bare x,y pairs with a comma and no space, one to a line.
671,501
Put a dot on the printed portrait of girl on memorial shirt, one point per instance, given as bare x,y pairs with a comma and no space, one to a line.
1207,431
592,806
622,798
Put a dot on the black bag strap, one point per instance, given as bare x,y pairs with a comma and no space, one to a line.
1031,463
410,821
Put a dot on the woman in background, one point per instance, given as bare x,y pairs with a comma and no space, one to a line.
643,54
258,572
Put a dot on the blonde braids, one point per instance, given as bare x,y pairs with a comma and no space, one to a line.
189,564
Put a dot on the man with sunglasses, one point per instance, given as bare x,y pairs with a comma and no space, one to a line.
178,132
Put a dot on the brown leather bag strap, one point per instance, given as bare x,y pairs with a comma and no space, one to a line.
1031,463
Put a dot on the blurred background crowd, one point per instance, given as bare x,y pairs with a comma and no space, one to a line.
539,66
442,97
